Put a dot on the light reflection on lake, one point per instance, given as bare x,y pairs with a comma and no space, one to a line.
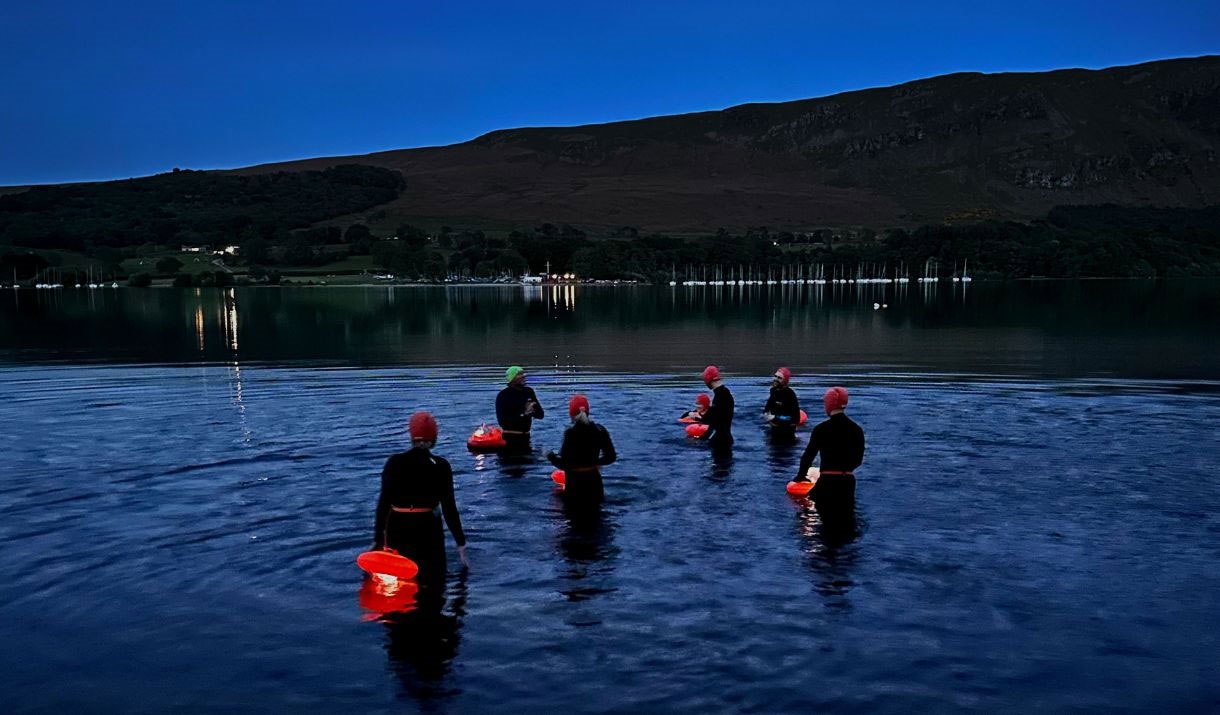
1097,328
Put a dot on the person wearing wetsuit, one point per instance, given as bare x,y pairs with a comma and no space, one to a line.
841,444
719,417
586,448
702,402
782,411
416,488
516,409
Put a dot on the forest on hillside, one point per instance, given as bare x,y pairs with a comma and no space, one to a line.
1071,242
296,221
189,208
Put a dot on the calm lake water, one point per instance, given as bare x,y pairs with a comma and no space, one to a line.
188,476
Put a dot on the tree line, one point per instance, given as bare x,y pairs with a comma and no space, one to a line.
275,218
190,208
1071,242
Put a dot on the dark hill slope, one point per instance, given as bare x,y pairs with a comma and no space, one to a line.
1002,145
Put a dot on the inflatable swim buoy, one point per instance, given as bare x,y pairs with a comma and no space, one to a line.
697,430
799,489
486,439
387,562
559,478
804,418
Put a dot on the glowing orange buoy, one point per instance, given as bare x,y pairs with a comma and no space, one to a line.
697,430
387,562
804,418
559,478
486,439
799,489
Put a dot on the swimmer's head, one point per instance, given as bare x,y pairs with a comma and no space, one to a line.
579,404
835,400
422,427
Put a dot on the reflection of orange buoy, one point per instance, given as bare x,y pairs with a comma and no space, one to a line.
559,478
486,439
804,418
696,430
387,562
387,595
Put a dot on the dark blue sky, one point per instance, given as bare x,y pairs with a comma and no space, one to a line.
99,90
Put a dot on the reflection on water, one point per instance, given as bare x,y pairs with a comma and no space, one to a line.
692,587
829,537
586,540
1127,328
423,641
682,593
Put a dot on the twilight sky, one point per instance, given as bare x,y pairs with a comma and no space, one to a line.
102,90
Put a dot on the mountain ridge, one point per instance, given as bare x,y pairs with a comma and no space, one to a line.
1007,145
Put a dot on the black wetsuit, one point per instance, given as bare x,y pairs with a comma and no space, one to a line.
841,443
787,411
719,418
586,446
510,414
417,479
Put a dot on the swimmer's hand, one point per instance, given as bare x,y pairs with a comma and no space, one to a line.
554,459
462,556
529,408
768,417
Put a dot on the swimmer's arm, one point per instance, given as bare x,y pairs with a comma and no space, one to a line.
608,455
807,458
449,507
383,508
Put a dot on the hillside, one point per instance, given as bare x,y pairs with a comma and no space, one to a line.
1005,146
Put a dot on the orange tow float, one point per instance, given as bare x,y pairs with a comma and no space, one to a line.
486,439
387,562
697,430
800,489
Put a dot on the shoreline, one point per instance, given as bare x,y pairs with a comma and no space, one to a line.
165,283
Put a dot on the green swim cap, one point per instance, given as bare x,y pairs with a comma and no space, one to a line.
511,373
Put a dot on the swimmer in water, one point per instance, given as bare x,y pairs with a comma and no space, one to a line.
719,417
783,410
586,448
516,409
840,441
416,490
702,402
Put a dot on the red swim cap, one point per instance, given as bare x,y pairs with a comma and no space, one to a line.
784,375
422,427
578,404
710,374
835,399
703,400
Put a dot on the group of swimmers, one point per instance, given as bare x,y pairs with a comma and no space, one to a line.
417,486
